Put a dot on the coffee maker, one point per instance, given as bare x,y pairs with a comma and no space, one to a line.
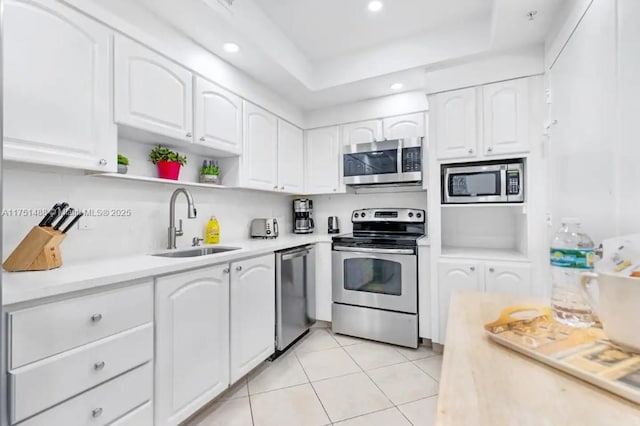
302,216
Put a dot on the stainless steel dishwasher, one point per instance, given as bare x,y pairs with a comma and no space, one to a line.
295,294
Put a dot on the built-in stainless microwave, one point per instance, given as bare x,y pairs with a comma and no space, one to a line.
391,161
486,182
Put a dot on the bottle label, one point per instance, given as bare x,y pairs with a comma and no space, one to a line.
570,258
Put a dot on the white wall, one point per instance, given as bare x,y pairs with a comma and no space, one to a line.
146,229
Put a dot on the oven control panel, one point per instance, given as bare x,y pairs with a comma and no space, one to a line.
388,215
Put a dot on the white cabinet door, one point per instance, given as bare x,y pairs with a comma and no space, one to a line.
323,281
404,126
290,158
509,278
506,117
260,157
192,341
456,124
253,313
362,131
57,93
322,161
218,118
454,276
151,92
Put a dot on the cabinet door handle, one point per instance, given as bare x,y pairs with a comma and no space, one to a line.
282,188
335,190
188,134
472,268
470,150
275,187
98,366
490,149
96,317
102,162
491,270
96,412
238,268
225,271
202,139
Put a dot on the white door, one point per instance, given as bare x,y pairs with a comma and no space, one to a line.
454,276
404,126
57,95
260,156
506,117
322,161
218,118
253,313
152,93
509,278
456,124
362,131
290,158
192,341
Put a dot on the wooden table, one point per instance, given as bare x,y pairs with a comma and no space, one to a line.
483,383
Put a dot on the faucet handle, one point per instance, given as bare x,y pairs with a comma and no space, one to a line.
196,242
179,231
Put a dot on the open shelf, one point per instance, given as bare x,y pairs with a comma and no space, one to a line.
157,180
483,253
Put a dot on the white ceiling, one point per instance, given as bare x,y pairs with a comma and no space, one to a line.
319,53
328,28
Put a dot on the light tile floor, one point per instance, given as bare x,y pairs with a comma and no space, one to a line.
329,379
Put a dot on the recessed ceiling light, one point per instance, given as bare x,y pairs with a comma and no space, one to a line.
397,86
375,5
231,47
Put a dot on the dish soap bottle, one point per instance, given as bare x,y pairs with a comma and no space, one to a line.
212,233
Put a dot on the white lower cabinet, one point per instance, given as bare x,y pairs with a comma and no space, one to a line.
474,275
253,316
192,335
140,416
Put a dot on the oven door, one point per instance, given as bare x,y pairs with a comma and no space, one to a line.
375,162
376,278
475,184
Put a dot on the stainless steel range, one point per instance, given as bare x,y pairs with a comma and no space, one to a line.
375,276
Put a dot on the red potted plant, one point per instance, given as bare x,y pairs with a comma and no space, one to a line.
168,162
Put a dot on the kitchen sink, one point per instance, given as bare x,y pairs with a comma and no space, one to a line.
203,251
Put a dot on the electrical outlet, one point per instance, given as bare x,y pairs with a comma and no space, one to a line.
547,95
548,219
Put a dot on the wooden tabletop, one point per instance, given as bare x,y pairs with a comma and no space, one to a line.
483,383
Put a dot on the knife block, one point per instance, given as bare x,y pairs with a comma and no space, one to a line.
38,251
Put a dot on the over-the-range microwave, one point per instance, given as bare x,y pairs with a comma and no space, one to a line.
483,182
389,161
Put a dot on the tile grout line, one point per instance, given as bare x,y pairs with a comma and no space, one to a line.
314,390
250,405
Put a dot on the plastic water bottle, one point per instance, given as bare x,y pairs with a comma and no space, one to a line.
572,253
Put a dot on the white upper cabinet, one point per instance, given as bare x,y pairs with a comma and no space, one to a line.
322,161
253,313
218,118
506,117
260,155
57,87
455,124
508,278
404,126
152,93
362,131
192,341
290,158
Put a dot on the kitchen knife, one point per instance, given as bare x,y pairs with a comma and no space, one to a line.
50,216
64,218
61,207
73,222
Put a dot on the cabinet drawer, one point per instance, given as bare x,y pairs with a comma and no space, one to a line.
103,404
141,416
46,330
77,370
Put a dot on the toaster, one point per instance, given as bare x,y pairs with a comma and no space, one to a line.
264,228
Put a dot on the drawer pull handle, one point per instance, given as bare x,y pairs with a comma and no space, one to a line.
98,365
238,268
96,317
96,412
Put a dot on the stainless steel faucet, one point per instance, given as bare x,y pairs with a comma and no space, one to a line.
191,214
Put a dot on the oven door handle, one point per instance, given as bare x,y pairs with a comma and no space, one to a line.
373,250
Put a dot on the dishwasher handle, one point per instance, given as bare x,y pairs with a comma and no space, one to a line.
294,254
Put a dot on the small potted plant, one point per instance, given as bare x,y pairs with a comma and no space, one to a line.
123,162
168,162
209,172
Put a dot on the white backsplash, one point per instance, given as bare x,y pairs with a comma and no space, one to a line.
145,230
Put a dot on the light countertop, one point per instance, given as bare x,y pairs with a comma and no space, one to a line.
20,287
483,383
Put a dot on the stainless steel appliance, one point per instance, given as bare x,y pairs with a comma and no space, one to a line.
392,161
295,294
375,276
486,182
333,225
303,216
264,228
